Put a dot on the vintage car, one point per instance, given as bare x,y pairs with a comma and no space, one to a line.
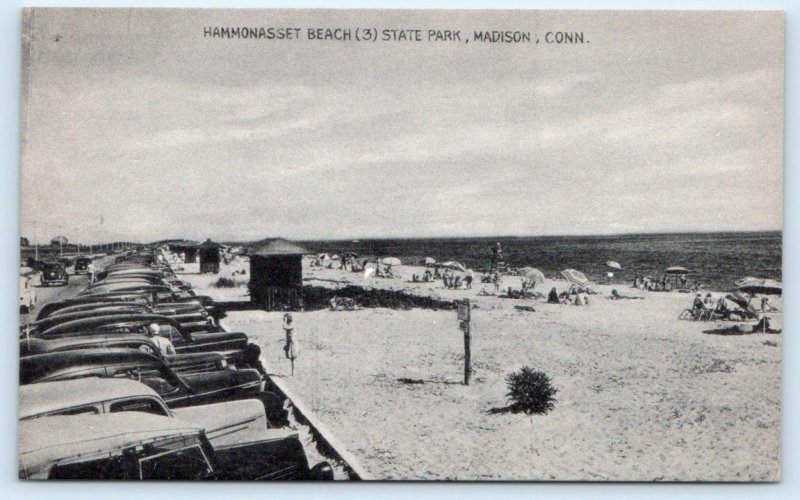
136,445
54,273
90,302
180,363
229,422
27,295
177,389
127,445
82,264
179,310
157,294
233,345
192,318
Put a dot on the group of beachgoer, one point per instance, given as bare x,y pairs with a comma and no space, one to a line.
425,277
664,285
574,296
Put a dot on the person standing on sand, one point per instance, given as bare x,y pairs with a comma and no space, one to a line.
290,348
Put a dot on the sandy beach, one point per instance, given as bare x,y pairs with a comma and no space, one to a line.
641,395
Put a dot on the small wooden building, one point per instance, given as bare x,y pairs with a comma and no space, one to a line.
276,274
209,256
187,248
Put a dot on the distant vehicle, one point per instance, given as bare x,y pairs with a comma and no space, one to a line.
81,264
133,445
54,273
27,295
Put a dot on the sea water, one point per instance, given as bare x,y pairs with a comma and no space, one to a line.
715,260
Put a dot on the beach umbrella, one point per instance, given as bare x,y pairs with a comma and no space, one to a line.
451,264
764,286
738,299
335,257
532,275
390,261
323,256
576,277
429,261
676,270
613,264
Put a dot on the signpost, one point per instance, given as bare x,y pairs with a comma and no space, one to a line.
464,311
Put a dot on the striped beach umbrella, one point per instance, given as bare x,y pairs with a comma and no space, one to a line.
575,277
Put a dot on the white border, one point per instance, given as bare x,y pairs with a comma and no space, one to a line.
9,197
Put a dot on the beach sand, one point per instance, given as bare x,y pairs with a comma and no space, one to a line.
641,395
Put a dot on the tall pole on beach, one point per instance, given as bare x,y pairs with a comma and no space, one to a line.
464,316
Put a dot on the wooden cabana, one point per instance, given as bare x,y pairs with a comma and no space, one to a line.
187,248
276,274
209,256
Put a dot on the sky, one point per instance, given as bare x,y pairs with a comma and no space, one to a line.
136,127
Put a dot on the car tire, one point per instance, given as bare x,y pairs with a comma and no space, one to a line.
321,472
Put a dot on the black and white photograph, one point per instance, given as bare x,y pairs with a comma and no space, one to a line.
401,245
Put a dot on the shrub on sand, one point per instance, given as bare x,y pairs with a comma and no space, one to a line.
530,391
224,282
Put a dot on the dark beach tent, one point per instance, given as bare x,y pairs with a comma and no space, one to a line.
209,256
276,274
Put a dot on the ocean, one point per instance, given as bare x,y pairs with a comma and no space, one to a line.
715,259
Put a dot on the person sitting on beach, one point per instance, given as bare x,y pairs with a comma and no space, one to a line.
766,306
698,303
552,297
708,302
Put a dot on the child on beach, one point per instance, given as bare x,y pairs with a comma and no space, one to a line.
290,348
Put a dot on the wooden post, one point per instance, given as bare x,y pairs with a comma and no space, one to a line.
467,354
464,312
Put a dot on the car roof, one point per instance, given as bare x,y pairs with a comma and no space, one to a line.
39,366
43,442
58,343
36,399
77,325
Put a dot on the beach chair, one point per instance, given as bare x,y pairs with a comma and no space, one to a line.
696,314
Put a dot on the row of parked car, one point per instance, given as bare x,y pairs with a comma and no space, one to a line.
100,399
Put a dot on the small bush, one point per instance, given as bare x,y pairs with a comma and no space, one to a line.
530,391
223,282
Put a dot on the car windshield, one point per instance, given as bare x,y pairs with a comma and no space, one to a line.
166,462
